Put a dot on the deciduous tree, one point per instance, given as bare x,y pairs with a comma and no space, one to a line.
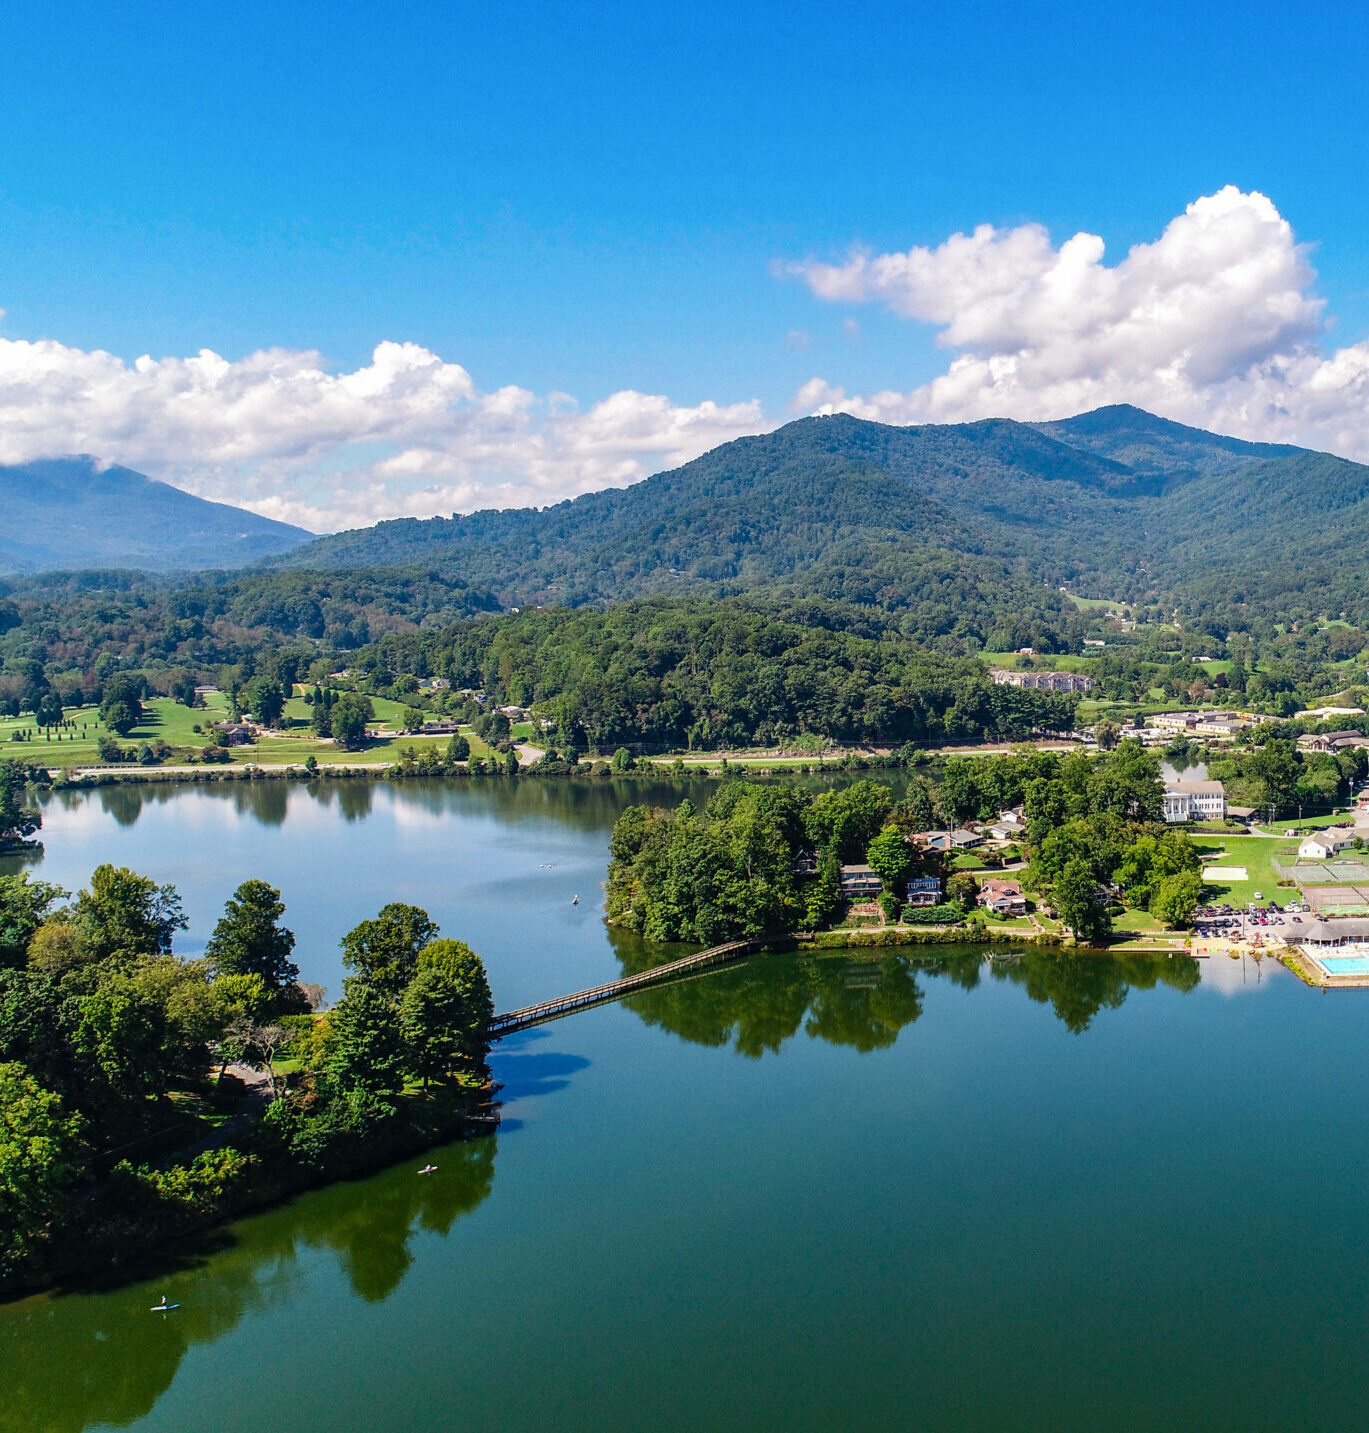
249,939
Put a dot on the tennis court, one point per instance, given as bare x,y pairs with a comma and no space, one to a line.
1337,900
1325,872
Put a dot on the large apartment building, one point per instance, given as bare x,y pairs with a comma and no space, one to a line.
1044,681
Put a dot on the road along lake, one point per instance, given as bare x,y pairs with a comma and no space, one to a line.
937,1189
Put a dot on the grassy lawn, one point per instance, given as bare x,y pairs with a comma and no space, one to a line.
1309,823
163,719
1043,662
1094,604
1139,922
1255,854
174,724
1009,922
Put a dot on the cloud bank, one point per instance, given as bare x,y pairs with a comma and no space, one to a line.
1214,324
407,435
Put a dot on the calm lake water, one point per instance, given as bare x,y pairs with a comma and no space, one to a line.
952,1194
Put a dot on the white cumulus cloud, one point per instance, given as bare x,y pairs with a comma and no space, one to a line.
1215,323
407,434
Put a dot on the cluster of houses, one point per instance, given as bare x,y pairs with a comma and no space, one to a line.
1000,897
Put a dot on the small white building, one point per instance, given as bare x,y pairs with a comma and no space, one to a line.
1194,801
1322,845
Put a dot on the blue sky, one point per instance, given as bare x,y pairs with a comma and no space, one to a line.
586,200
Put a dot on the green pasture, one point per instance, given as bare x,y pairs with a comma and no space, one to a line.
1095,604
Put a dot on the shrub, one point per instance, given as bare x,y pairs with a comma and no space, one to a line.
946,914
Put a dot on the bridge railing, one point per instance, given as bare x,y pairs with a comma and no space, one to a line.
529,1015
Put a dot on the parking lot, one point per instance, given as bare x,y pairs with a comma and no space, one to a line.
1257,922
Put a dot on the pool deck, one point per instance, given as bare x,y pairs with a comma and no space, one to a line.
1314,971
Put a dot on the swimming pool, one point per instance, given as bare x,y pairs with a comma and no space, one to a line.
1344,964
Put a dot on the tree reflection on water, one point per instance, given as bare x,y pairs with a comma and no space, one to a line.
76,1360
864,998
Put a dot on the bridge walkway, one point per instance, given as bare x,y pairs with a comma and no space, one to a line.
529,1015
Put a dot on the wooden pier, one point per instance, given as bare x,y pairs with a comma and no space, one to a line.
545,1010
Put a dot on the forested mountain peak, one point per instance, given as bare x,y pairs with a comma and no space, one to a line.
64,513
1147,443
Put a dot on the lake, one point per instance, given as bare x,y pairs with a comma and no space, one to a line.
876,1192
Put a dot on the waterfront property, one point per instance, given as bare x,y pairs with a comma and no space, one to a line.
1003,898
1219,724
1339,949
1194,801
860,883
924,891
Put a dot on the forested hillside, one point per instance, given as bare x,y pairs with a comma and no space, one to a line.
1117,502
667,673
70,622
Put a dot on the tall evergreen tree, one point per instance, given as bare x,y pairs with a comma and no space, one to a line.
365,1045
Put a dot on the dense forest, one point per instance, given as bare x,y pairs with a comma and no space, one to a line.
659,674
1118,502
128,1109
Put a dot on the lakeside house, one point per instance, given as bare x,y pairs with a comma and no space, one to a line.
1323,845
924,891
1042,681
1003,898
961,839
1194,801
1010,826
860,883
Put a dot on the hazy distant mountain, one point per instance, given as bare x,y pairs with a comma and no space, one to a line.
1112,498
68,513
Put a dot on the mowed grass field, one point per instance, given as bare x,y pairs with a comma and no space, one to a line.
1256,854
163,719
169,721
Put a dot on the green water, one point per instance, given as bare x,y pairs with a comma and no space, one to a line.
864,1193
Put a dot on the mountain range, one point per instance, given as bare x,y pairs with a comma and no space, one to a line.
71,514
1116,502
